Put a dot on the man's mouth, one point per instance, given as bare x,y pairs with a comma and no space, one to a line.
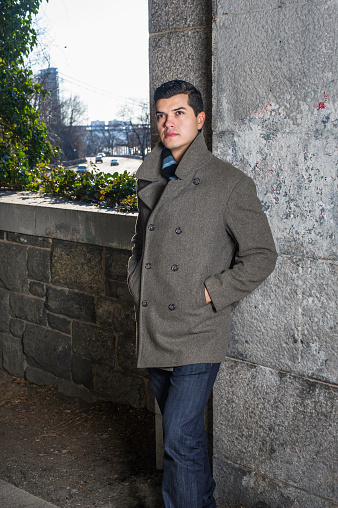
170,134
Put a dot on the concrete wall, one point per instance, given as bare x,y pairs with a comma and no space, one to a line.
273,85
275,94
66,315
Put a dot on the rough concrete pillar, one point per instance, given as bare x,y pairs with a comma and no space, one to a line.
275,117
180,48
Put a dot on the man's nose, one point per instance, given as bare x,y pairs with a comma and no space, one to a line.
169,122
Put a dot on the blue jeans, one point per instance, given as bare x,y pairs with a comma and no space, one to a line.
182,396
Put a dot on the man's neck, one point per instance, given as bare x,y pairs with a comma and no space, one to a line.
179,152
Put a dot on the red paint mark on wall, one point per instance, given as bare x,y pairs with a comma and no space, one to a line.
321,105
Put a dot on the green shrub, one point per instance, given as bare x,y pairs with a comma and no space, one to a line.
109,190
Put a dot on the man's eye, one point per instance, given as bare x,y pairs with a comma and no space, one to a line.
179,112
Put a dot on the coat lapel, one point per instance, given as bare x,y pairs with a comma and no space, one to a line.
151,193
151,171
193,159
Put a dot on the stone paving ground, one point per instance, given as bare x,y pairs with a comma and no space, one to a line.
75,454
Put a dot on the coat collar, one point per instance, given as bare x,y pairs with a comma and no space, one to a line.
196,155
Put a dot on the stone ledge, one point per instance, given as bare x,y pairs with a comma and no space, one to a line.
51,217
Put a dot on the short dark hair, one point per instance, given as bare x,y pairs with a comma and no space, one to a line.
177,86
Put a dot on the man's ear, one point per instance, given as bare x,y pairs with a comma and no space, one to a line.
200,120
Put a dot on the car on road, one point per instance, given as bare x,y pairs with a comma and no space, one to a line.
98,158
82,168
114,162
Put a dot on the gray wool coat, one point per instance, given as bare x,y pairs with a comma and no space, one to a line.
206,229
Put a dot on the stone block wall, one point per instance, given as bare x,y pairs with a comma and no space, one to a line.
66,315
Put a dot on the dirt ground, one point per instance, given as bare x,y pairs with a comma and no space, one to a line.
72,453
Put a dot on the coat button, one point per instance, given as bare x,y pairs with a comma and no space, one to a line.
144,303
148,265
171,306
151,227
178,231
174,268
196,181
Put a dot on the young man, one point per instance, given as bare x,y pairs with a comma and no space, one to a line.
202,243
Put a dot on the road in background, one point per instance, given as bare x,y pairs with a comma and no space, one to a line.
130,165
125,164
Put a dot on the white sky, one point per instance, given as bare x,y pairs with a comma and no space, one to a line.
101,45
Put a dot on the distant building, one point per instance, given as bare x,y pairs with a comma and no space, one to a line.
116,124
98,124
49,78
59,116
49,107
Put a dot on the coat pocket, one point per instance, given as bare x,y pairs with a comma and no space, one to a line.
209,305
134,283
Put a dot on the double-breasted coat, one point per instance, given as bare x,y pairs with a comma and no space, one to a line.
206,229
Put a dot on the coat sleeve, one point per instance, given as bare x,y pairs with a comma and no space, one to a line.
255,255
137,241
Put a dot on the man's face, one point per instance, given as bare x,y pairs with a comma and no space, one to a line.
177,124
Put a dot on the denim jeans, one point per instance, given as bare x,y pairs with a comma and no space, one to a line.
182,395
